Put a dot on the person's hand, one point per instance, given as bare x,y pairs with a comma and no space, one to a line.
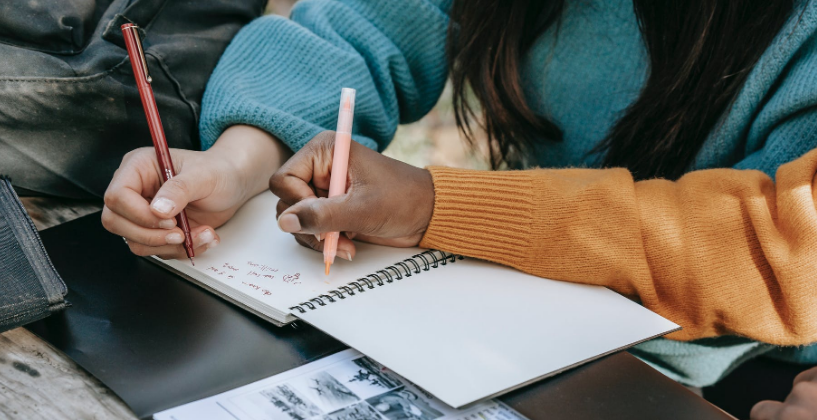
387,202
211,185
801,404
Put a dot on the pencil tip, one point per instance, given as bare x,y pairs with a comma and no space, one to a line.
328,264
192,262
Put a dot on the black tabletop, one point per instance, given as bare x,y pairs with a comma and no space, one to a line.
158,341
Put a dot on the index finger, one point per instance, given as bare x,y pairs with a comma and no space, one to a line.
308,168
127,194
290,188
137,172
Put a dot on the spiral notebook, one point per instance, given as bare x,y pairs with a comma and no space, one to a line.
464,330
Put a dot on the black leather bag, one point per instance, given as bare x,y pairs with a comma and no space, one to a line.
69,108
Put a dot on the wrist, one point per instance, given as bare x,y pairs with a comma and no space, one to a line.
424,200
252,154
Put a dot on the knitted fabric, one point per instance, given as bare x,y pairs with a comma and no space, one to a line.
285,76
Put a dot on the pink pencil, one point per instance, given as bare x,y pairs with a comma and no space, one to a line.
340,166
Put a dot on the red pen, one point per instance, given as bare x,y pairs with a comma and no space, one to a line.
140,72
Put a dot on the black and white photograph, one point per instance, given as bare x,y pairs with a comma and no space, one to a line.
325,390
278,402
359,411
403,404
365,377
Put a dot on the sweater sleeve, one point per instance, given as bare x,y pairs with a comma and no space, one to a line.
285,75
721,251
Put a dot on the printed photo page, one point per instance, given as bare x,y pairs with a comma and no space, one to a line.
344,386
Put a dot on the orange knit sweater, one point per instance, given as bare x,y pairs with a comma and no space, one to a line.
719,251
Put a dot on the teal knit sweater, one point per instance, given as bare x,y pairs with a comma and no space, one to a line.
284,76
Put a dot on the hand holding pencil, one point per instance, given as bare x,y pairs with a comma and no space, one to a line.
387,202
340,165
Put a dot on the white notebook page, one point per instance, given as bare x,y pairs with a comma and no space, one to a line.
258,260
472,330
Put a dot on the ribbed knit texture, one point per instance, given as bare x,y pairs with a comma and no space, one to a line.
720,251
285,77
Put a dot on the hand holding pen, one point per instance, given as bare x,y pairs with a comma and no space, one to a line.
211,185
289,181
157,133
387,202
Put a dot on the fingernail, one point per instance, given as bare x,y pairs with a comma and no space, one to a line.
289,223
206,237
213,244
167,224
344,251
174,238
163,205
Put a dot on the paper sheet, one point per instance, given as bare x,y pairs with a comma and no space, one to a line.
472,330
344,386
466,332
255,258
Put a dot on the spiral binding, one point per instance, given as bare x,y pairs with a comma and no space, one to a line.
423,261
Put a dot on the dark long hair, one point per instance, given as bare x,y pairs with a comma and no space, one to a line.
700,54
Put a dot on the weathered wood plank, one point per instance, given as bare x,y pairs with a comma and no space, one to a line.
38,382
47,212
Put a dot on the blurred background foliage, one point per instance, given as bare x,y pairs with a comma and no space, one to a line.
434,140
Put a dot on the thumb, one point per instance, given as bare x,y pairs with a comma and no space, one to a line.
176,193
319,215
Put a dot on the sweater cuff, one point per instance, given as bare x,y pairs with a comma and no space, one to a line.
223,110
481,214
252,86
580,225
